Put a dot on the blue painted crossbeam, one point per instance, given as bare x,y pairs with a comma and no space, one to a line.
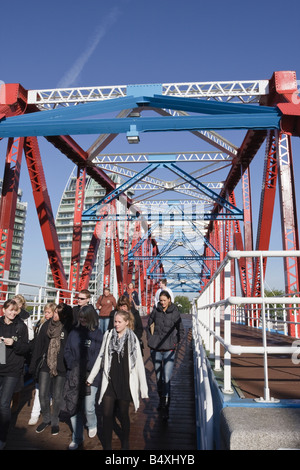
162,218
172,257
22,128
179,276
84,118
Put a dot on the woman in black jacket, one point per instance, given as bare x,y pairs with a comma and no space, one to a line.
48,358
14,345
163,337
81,351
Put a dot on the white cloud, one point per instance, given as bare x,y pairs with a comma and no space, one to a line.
72,75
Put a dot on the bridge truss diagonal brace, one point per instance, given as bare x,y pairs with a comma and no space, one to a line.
232,210
92,212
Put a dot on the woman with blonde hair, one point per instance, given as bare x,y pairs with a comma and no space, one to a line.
124,377
48,362
24,315
48,313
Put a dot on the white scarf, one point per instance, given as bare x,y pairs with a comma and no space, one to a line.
117,344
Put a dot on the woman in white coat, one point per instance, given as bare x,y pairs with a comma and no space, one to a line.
124,377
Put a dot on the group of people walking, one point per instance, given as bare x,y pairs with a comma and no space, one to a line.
76,352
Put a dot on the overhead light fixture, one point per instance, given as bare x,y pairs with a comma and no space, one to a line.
133,135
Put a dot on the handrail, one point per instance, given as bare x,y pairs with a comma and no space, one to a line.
210,309
203,395
36,296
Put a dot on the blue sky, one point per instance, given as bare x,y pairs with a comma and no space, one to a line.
120,42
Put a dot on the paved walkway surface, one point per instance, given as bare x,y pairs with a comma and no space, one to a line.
148,432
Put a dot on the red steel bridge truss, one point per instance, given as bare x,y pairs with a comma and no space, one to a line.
177,221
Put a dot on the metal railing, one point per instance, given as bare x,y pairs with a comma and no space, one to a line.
36,296
210,310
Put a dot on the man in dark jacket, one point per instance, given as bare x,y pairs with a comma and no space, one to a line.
83,299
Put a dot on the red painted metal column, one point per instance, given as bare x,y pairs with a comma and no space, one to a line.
8,205
44,211
132,263
107,256
137,265
77,230
239,245
125,253
99,233
248,229
142,271
290,235
117,251
266,209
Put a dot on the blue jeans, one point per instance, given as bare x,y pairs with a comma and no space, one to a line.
103,324
7,388
87,410
163,365
45,382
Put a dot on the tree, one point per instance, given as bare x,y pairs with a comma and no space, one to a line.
275,309
183,303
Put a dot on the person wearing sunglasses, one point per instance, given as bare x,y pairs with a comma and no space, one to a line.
83,299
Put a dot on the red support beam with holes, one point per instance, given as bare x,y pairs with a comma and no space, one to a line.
44,211
117,251
99,233
8,204
125,254
290,235
248,228
107,255
77,230
266,209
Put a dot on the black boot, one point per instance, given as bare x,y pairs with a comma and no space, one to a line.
161,403
125,444
165,408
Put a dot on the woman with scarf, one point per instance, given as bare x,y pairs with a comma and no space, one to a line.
48,363
124,304
49,310
124,377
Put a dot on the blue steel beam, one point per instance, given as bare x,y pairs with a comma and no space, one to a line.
23,128
178,276
198,258
161,217
151,101
92,211
205,107
233,212
204,189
